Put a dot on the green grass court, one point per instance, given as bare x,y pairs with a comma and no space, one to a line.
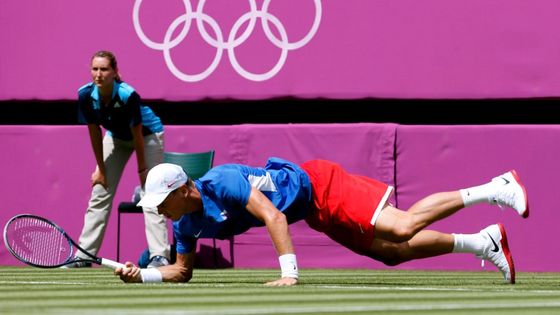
26,290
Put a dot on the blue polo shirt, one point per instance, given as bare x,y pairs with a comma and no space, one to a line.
225,191
123,111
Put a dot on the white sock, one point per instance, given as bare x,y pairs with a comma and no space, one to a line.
478,194
468,243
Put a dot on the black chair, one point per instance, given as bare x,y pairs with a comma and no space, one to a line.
194,164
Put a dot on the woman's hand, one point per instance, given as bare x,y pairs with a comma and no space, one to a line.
98,178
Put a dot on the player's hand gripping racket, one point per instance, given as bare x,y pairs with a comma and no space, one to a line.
41,243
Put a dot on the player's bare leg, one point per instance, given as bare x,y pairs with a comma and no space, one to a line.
423,245
504,190
489,244
400,236
398,226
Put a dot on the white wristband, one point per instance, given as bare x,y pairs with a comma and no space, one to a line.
151,275
288,264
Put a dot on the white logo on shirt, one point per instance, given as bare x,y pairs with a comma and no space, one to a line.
262,183
224,214
199,232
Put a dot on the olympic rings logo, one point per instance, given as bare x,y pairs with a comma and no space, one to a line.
233,39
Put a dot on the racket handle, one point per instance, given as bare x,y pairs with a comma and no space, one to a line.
111,264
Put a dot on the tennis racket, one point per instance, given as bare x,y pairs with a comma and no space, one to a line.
41,243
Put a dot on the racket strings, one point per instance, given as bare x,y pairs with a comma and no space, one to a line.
39,242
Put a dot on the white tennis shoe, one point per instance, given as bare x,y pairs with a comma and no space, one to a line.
497,251
158,261
511,193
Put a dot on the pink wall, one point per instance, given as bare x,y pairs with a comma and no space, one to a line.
334,48
442,158
46,170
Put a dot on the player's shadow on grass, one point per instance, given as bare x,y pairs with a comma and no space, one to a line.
210,257
207,257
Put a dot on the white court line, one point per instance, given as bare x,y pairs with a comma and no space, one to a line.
331,309
373,288
45,282
337,287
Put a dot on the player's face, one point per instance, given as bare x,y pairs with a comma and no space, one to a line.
173,207
102,74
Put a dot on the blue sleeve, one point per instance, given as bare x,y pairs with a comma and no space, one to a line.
185,245
85,110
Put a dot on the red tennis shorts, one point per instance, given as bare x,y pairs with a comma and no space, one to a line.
346,205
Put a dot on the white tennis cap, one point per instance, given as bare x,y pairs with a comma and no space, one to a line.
162,179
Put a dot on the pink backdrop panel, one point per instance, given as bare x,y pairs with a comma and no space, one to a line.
428,159
60,161
306,49
45,171
445,158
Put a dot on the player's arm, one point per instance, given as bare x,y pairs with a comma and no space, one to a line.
180,271
277,225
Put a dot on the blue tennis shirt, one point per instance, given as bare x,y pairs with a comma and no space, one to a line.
225,191
123,111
